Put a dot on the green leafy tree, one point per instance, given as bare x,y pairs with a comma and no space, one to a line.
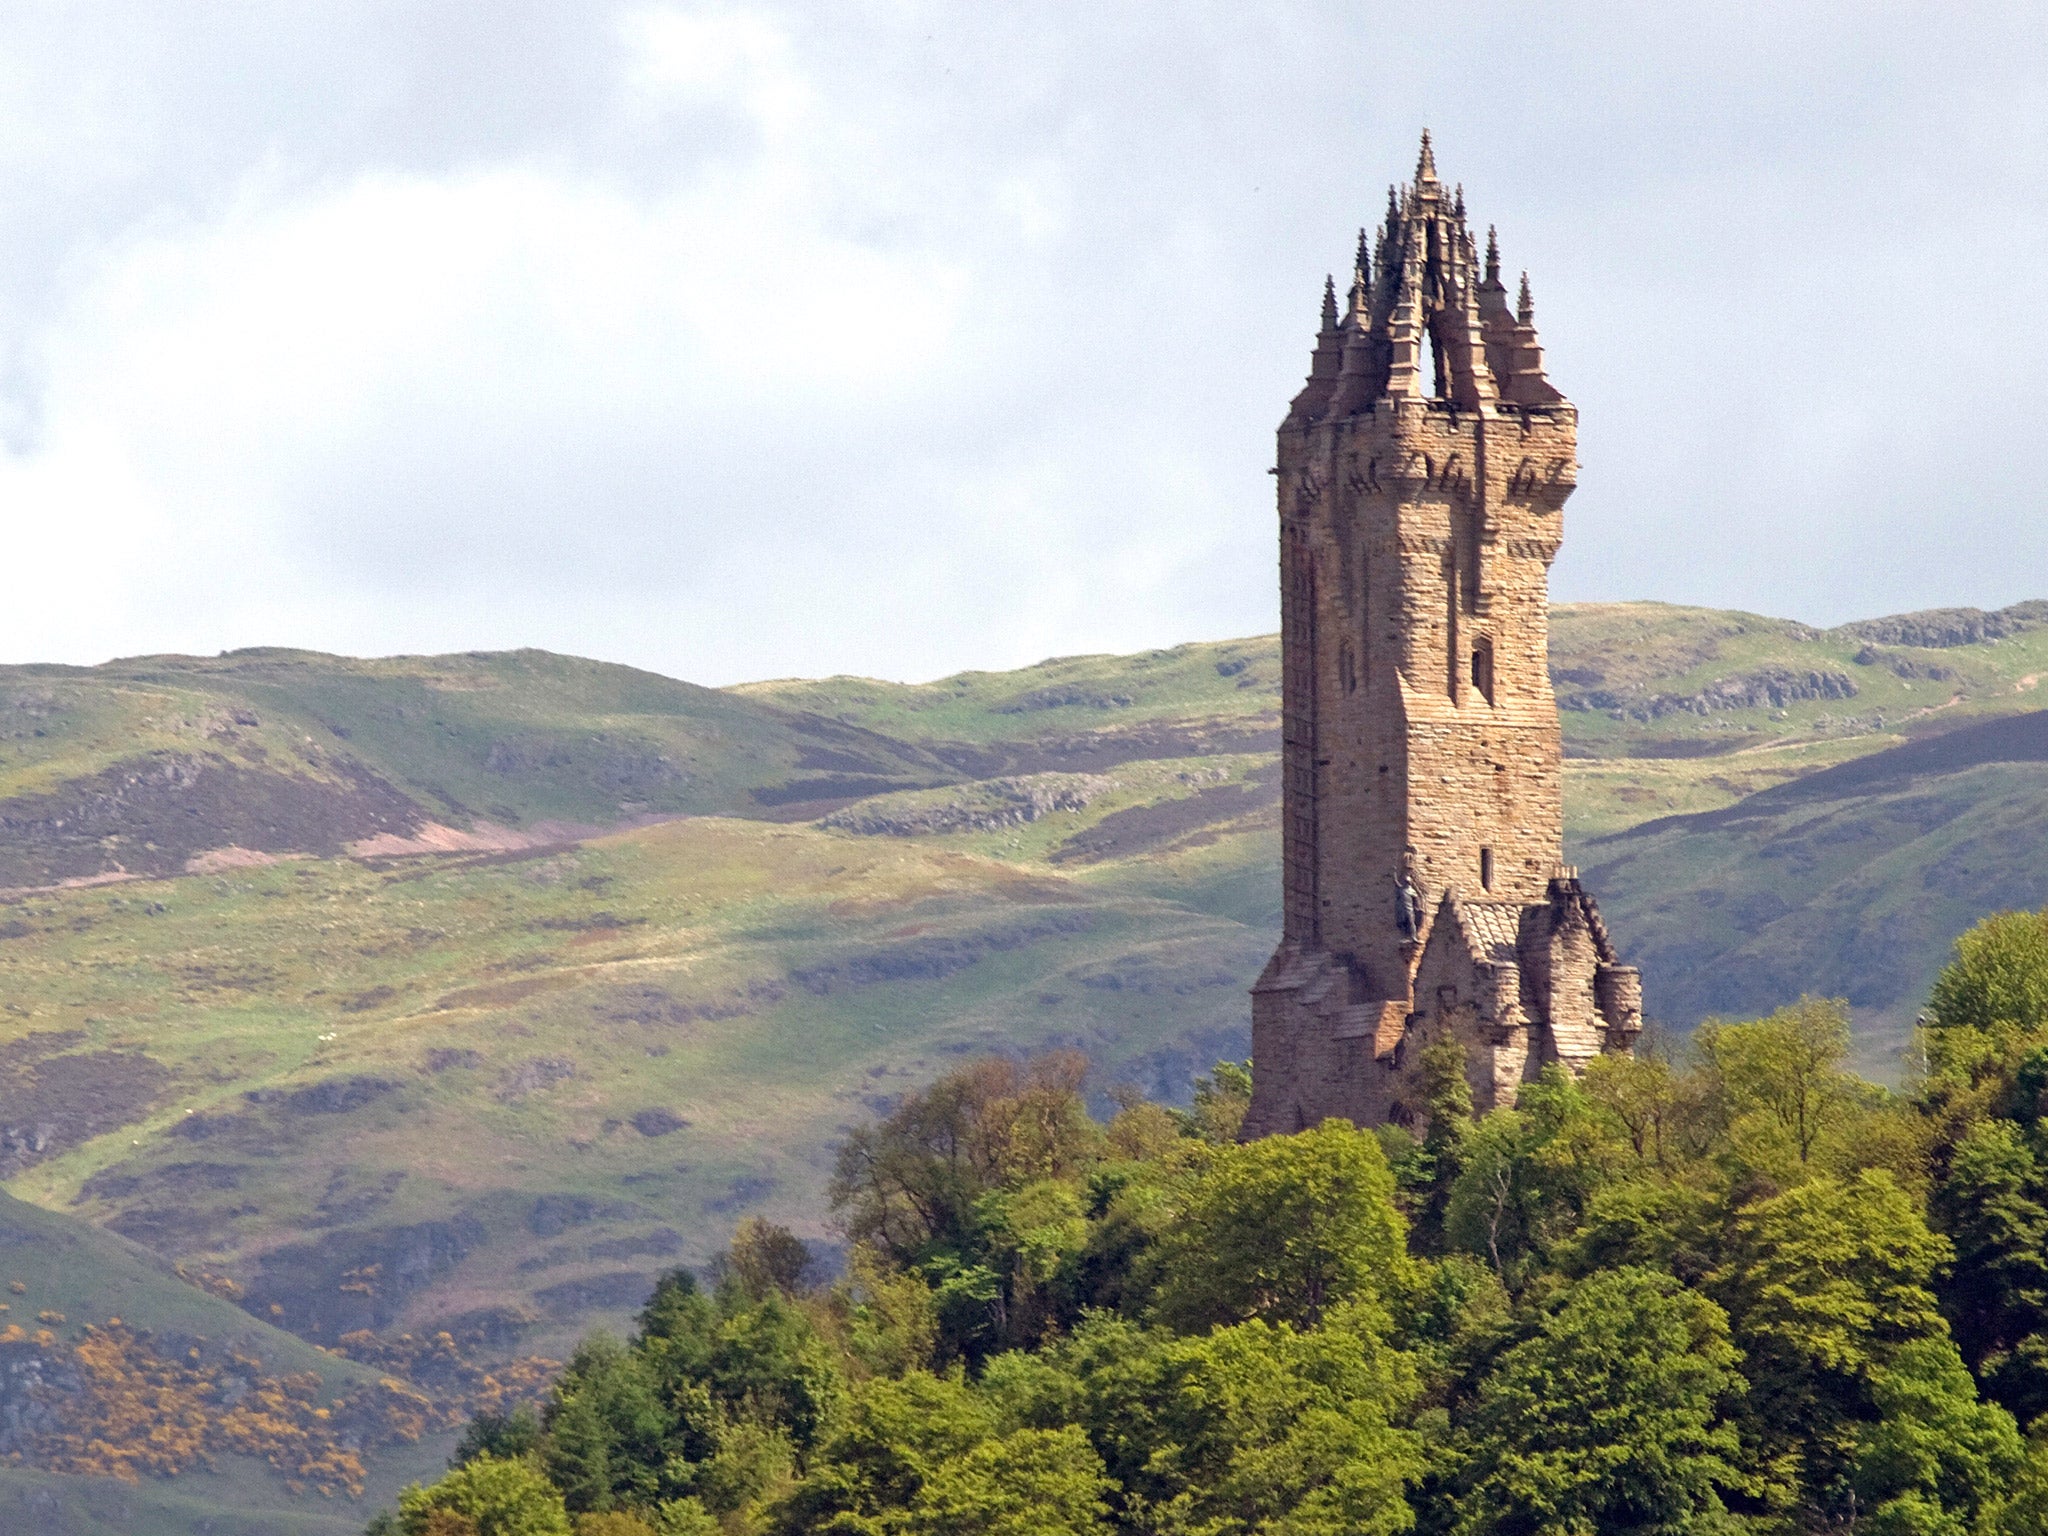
1251,1428
1528,1176
715,1361
496,1497
1222,1096
1993,994
1646,1223
1645,1097
890,1440
1824,1284
890,1323
753,1461
613,1523
1033,1236
908,1186
1282,1228
1993,1205
2023,1511
1128,1210
507,1436
1612,1420
769,1365
1427,1170
1033,1482
1781,1086
1933,1456
764,1257
609,1434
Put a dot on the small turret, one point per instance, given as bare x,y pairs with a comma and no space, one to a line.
1314,399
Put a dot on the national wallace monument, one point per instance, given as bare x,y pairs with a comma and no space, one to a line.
1423,472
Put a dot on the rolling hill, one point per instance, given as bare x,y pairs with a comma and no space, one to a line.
470,992
90,1319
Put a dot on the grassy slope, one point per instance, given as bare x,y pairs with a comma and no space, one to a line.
468,1071
53,1263
510,737
197,1504
767,984
65,1266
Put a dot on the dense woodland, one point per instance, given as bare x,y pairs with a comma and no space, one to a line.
1728,1286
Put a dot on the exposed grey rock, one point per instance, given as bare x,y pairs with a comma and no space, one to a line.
1767,687
1941,628
986,806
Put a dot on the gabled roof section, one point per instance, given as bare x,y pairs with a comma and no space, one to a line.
1489,929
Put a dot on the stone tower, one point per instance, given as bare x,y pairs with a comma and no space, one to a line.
1422,475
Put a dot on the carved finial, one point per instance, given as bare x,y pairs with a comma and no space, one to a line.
1492,255
1525,307
1393,208
1361,279
1425,163
1458,201
1329,303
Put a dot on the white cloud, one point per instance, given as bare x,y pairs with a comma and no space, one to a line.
897,337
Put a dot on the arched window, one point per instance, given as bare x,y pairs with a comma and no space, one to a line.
1486,869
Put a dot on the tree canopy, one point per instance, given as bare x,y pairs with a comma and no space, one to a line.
1724,1286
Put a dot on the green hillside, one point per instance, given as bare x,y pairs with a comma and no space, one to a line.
472,992
1851,882
144,766
91,1324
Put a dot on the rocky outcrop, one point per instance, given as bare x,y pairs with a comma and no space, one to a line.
987,806
1942,628
1910,668
1770,687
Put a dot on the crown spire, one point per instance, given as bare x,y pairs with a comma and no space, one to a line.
1329,303
1425,163
1492,255
1525,306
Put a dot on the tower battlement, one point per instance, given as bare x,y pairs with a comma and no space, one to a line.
1423,470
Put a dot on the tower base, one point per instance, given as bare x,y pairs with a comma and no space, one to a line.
1518,985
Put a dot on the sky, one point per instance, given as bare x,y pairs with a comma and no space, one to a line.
751,340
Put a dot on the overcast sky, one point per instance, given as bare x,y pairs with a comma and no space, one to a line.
750,340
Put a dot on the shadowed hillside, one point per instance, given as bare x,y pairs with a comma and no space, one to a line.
1849,882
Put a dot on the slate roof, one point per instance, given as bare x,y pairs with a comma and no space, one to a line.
1493,927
